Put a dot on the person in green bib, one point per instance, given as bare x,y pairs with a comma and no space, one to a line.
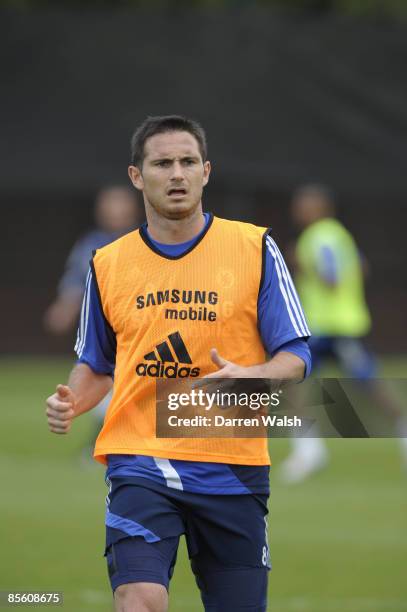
329,276
330,281
330,270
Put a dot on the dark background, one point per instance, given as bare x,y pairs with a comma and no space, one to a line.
285,98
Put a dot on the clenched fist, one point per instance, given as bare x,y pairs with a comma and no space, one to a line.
60,410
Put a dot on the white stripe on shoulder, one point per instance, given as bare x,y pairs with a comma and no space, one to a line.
79,335
81,326
291,292
84,317
170,473
86,323
284,293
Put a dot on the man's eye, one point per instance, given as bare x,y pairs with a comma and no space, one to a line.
163,164
189,162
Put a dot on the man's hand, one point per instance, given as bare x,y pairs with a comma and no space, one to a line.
228,369
232,375
283,366
84,390
60,410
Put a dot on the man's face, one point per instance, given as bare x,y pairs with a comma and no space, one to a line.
117,210
173,174
308,208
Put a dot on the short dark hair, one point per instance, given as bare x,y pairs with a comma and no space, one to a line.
160,125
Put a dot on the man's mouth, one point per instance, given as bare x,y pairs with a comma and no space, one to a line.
177,191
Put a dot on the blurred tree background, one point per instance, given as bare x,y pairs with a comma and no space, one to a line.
371,8
289,91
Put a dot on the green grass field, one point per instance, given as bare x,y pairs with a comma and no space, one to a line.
338,541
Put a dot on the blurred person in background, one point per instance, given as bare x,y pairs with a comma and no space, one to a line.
116,212
329,275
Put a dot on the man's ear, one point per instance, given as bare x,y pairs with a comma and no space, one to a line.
207,171
136,177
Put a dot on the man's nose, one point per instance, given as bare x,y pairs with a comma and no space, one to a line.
177,171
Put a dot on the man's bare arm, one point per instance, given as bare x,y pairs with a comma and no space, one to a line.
283,366
83,392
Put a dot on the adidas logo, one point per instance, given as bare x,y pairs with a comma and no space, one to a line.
162,354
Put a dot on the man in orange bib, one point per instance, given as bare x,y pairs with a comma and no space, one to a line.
187,295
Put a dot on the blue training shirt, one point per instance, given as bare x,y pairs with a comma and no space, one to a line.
282,328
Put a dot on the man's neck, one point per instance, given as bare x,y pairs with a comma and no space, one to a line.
174,231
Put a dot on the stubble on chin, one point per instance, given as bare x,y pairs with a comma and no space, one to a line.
174,212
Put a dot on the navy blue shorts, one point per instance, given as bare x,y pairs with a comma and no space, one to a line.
226,538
